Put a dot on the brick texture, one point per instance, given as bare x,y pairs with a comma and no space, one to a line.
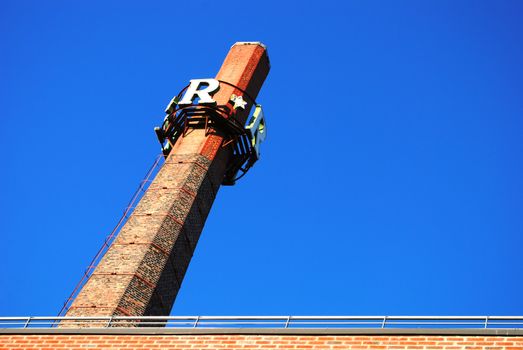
142,271
47,342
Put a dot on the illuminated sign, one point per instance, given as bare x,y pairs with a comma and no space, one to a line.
257,129
245,139
204,94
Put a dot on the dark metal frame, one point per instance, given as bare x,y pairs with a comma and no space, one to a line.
221,119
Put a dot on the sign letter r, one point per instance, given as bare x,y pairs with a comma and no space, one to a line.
204,94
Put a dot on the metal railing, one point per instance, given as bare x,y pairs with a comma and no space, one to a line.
138,194
274,322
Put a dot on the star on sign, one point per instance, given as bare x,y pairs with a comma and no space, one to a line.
239,102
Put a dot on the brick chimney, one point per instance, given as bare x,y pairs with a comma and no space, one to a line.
143,269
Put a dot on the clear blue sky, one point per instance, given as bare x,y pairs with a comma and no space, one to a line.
390,181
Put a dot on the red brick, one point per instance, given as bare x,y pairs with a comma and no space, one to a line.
139,342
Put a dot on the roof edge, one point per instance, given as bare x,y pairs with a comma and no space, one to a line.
267,331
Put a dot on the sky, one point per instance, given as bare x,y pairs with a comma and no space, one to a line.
390,182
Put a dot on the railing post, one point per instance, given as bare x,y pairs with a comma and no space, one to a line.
27,322
196,322
109,323
384,320
486,322
287,323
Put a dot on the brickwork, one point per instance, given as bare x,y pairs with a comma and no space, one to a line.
435,342
142,271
